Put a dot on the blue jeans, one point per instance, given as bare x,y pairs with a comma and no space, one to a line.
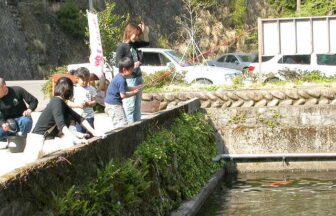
25,124
132,105
82,129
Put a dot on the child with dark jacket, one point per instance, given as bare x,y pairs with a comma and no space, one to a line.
118,90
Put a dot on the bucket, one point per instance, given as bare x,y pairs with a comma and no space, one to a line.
19,141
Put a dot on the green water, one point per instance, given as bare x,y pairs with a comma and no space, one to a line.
254,194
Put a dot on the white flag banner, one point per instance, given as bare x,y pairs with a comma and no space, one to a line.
96,57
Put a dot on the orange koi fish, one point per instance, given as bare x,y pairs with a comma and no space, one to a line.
281,183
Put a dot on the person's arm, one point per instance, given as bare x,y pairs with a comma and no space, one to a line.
30,100
131,91
120,53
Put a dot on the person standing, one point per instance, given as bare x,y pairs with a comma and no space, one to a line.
14,114
118,92
84,98
128,48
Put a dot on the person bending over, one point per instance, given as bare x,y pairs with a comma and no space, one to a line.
54,122
15,117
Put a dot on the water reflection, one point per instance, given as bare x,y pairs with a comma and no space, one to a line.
260,194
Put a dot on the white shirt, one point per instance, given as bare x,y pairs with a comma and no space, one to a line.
82,95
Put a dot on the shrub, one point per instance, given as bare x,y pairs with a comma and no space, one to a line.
71,19
170,166
163,78
47,87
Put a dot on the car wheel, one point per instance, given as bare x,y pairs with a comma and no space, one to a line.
204,81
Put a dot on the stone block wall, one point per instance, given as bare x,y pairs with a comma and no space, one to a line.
246,98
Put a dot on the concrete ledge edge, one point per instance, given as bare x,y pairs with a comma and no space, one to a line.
191,207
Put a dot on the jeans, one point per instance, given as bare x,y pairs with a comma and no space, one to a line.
132,105
24,123
82,129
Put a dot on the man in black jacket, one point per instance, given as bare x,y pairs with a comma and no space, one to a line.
15,117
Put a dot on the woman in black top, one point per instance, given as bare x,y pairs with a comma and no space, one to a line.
54,121
128,47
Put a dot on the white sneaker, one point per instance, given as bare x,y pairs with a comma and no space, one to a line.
12,144
3,144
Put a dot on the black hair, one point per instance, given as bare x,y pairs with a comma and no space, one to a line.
82,73
64,88
125,62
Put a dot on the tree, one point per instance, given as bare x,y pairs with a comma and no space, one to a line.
111,28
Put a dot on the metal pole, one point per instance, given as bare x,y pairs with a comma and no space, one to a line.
90,5
260,48
298,5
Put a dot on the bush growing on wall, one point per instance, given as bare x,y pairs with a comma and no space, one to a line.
170,166
72,19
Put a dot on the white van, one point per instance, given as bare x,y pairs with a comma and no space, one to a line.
325,63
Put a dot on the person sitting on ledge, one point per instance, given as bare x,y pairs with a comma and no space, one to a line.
54,122
15,117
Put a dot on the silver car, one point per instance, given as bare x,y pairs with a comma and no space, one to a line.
238,61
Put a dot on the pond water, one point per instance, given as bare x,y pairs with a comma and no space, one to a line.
274,194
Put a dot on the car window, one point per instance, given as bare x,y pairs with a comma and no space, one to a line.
178,57
246,58
221,59
163,59
326,59
263,58
151,59
231,59
295,59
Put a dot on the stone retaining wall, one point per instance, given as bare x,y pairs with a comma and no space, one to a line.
245,98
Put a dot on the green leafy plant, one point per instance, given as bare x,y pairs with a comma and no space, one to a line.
163,78
47,87
239,118
111,26
271,121
72,19
170,166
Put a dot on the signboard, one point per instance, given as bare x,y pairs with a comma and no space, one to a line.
302,35
96,57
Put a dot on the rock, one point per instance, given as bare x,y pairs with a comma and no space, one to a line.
212,96
301,101
181,96
242,95
314,93
205,104
222,96
201,96
150,106
168,97
217,104
248,103
232,96
261,103
227,104
147,96
333,102
303,94
273,102
267,95
278,94
287,102
323,101
172,105
158,97
255,96
237,103
163,105
311,101
328,93
292,94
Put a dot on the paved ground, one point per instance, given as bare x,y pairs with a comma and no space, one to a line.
34,87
